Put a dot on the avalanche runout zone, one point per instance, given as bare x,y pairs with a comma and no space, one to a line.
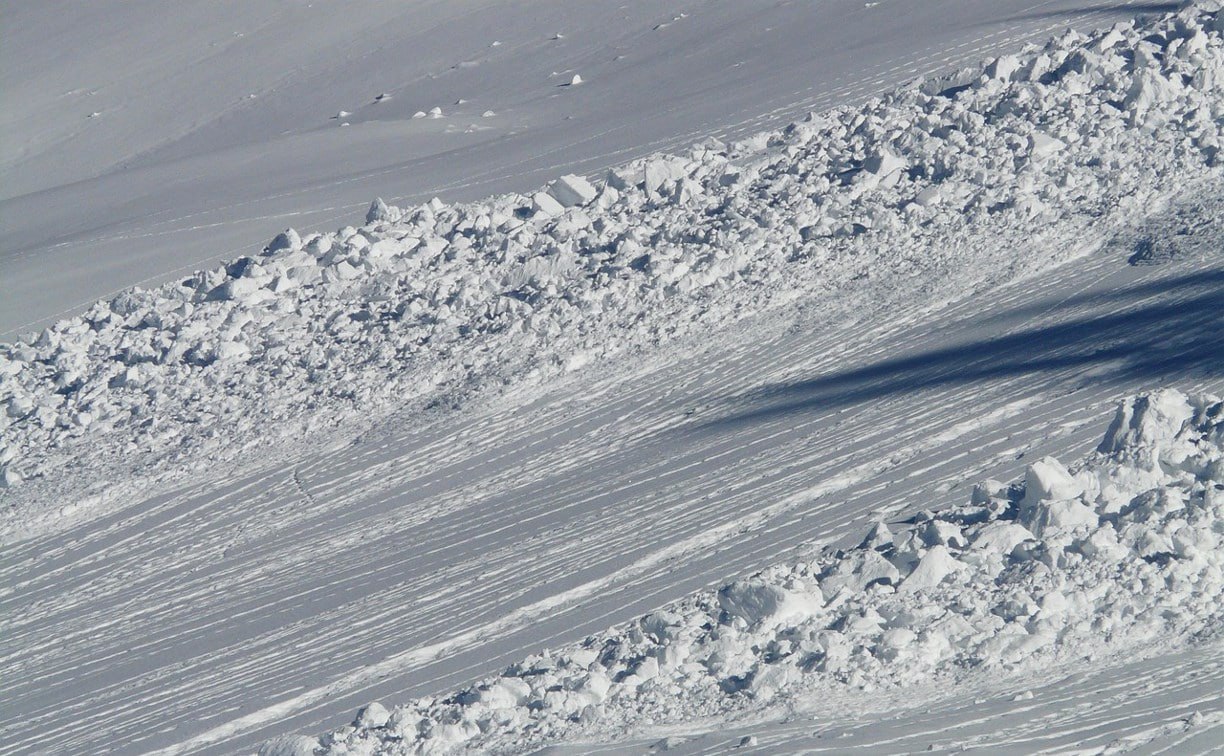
320,336
1125,550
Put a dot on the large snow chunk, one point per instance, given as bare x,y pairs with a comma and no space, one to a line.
1003,67
372,714
1145,424
1048,479
544,204
1043,145
238,290
572,190
936,564
285,240
758,602
884,164
1060,515
1001,537
380,211
858,570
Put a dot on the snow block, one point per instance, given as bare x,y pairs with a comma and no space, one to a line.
372,714
380,211
543,204
758,602
936,564
1003,67
1146,423
286,240
1048,479
884,164
571,190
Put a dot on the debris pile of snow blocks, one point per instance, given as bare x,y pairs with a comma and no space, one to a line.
425,302
1123,550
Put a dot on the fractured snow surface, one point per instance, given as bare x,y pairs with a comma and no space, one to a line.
215,124
959,298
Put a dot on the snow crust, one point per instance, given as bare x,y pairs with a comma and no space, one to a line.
1124,550
322,333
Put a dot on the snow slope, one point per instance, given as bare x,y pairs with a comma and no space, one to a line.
335,329
142,141
879,350
1118,555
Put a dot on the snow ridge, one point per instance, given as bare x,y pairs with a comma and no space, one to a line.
317,337
1121,551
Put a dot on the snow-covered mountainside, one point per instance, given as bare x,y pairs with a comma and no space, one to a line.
1120,553
337,328
382,462
141,141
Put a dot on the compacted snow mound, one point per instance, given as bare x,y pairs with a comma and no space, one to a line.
1123,552
425,303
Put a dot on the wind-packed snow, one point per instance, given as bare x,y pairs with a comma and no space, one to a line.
1121,552
321,333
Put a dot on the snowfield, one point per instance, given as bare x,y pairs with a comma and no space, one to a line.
1123,553
173,138
708,426
334,329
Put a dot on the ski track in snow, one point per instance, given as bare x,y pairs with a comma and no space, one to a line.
1149,705
215,616
267,620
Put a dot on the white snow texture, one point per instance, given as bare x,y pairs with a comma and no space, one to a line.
325,334
1123,550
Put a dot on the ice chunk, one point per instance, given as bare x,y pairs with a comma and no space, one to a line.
381,211
1001,537
1144,424
1060,515
1003,67
1043,145
884,163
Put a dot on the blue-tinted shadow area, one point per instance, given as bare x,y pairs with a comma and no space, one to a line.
1139,333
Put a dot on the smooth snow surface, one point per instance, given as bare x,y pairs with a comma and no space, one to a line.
379,463
142,140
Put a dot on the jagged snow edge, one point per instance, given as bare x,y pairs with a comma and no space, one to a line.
444,300
1123,551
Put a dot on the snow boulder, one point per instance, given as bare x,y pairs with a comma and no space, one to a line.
760,603
1146,424
571,190
380,211
285,240
1045,479
545,205
936,564
373,714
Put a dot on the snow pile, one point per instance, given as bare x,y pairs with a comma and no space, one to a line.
1123,552
323,334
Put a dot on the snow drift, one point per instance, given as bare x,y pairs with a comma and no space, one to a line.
321,335
1123,550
